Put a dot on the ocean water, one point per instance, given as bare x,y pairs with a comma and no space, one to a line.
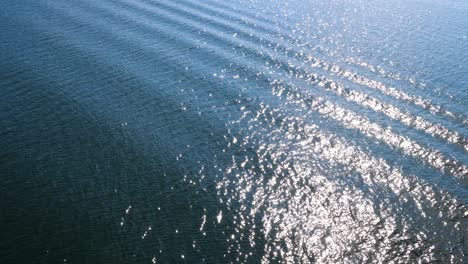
185,131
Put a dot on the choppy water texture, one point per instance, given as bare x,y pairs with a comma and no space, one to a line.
164,131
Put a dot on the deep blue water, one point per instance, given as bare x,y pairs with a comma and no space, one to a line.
164,131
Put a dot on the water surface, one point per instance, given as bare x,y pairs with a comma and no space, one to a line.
163,131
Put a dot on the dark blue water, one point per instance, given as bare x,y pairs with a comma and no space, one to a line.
161,131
